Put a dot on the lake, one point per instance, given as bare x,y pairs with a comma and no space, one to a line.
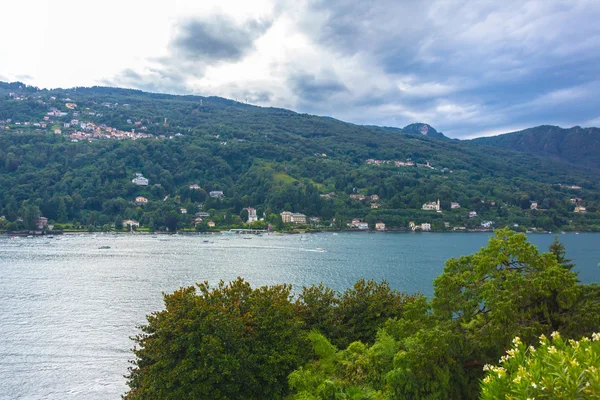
68,308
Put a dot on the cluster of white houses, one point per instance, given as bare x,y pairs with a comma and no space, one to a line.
289,217
407,163
361,197
578,205
131,223
397,163
425,226
357,223
81,130
435,206
140,180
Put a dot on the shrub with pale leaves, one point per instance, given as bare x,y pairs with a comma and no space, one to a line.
556,369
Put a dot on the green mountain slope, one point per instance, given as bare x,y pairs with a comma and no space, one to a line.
73,154
576,145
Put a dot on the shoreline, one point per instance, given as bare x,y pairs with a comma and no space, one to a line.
225,232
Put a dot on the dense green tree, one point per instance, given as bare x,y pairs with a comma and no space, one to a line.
316,306
227,342
171,222
505,289
244,215
62,211
30,214
437,349
558,250
363,308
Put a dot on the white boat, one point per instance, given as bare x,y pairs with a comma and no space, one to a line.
320,250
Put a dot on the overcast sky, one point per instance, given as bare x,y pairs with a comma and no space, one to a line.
468,68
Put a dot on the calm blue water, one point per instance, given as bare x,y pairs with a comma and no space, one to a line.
68,308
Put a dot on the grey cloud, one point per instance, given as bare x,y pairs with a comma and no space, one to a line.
24,78
218,38
156,81
257,97
386,28
498,58
463,67
198,43
311,88
248,95
131,75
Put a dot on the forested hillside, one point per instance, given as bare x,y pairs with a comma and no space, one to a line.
576,145
71,155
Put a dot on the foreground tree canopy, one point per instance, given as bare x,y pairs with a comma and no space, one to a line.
370,342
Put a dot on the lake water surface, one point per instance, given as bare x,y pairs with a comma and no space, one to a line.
68,308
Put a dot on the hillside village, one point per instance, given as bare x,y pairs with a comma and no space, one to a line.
76,124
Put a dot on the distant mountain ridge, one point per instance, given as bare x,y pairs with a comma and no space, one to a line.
576,145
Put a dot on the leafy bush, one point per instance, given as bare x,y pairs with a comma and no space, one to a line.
556,369
228,342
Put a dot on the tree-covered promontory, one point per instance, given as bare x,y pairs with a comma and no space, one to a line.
231,341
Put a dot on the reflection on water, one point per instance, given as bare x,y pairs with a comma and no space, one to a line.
68,306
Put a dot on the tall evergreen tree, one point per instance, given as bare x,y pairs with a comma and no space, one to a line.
558,250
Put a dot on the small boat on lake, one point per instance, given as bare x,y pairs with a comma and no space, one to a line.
320,250
104,247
